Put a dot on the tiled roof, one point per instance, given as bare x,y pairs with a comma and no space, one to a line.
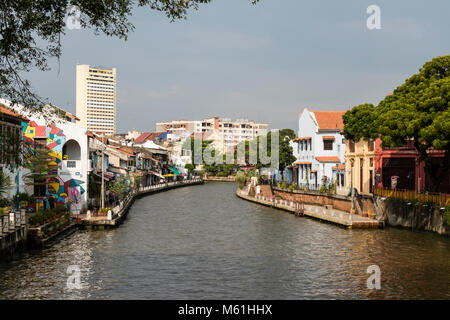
340,167
328,137
300,162
328,159
329,120
143,137
147,136
10,112
126,150
301,138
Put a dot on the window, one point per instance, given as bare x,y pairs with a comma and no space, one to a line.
71,164
72,151
327,144
352,146
370,145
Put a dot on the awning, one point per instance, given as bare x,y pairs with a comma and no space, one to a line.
174,170
157,174
100,176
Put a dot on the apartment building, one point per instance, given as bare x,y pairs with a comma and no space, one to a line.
96,98
228,131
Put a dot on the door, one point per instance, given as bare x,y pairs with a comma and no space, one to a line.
371,181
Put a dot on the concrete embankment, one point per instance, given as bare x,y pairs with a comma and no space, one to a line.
325,213
414,215
13,233
119,213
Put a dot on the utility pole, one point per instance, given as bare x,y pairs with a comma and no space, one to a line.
18,188
103,172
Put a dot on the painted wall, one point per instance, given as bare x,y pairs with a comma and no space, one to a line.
72,173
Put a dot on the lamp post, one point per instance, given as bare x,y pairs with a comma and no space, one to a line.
18,189
352,161
119,191
103,172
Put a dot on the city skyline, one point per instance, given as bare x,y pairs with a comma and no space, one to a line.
232,59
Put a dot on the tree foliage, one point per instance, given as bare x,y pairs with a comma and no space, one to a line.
358,122
5,183
417,110
31,31
41,169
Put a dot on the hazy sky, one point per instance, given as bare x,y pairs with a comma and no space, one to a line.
264,62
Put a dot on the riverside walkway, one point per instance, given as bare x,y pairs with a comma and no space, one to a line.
338,217
118,214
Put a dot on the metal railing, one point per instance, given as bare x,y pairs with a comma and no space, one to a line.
12,221
411,195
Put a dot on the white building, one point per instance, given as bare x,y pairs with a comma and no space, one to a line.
230,133
96,98
319,147
55,130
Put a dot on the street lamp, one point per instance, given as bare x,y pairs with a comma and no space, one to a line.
352,162
103,169
103,172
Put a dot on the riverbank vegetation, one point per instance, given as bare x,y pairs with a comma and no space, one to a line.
223,169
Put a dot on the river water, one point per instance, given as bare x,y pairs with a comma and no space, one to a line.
202,242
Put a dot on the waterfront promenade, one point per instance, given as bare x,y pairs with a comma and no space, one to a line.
323,213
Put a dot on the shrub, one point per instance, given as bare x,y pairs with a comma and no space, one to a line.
43,216
283,185
105,210
240,177
241,185
222,174
4,202
23,196
447,214
292,187
323,188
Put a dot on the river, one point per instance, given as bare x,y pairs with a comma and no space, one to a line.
202,242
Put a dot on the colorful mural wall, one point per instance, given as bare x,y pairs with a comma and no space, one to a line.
62,191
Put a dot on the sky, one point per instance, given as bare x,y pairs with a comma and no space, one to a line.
263,62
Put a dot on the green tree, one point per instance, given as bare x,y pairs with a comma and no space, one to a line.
31,32
418,110
358,123
40,171
5,183
286,152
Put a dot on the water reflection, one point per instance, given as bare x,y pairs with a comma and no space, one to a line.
204,243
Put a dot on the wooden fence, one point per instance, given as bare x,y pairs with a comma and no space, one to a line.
411,195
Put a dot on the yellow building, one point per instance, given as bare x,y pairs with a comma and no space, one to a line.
96,98
359,165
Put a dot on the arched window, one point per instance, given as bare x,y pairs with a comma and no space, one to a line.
72,150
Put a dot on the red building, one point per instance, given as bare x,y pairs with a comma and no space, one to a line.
402,162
